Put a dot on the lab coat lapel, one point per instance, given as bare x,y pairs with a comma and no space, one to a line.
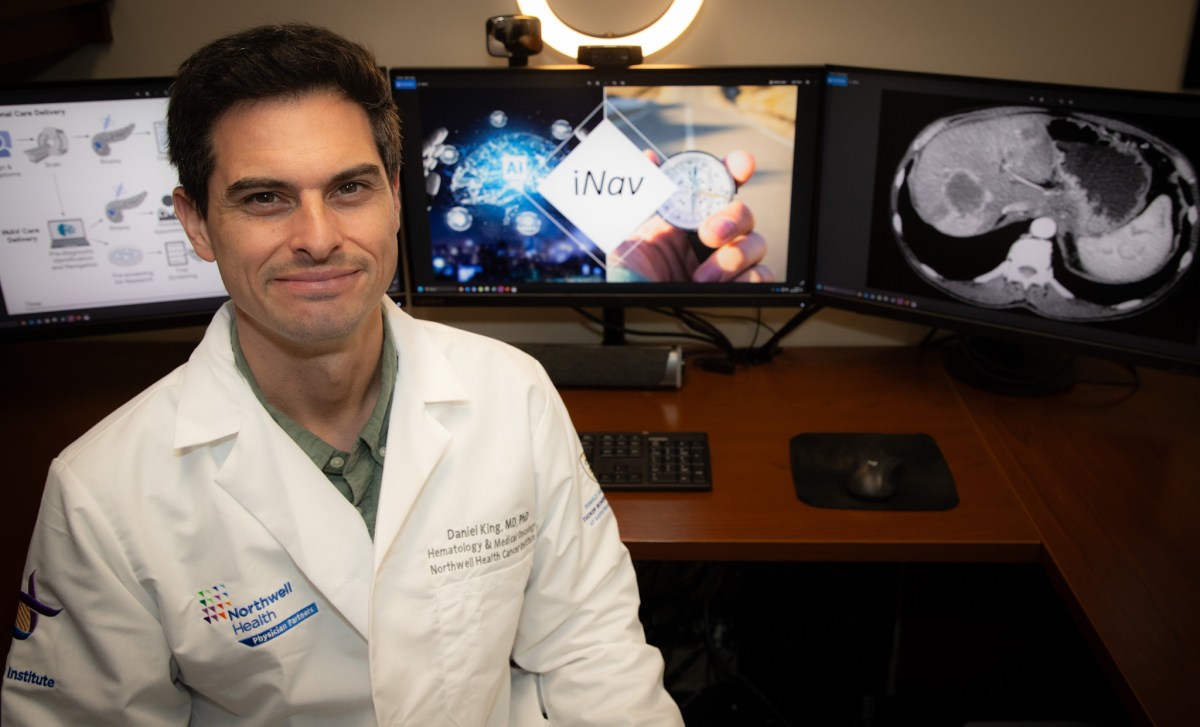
417,440
269,475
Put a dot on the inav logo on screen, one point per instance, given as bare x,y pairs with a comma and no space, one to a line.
606,187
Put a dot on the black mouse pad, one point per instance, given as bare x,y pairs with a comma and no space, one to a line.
823,463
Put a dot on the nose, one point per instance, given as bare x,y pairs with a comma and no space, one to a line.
315,230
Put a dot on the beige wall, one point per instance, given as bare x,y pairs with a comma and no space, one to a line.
1124,43
1120,43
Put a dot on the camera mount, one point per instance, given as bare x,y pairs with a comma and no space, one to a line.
609,55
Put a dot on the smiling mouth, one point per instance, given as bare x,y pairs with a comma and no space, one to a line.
318,280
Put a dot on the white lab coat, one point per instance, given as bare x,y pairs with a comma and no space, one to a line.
496,578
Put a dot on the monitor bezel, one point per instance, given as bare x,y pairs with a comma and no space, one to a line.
618,295
1065,338
101,320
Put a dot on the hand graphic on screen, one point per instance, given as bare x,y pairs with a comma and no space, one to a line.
660,252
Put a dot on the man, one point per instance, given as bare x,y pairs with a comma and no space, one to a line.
333,513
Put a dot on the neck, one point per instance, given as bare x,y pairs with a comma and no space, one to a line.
329,388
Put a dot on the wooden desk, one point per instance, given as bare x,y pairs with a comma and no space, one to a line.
1101,490
1101,486
1112,484
752,512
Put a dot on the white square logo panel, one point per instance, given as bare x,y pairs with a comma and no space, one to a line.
606,187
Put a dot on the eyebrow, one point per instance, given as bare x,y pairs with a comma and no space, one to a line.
362,170
247,184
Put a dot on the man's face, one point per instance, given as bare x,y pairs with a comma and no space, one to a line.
302,218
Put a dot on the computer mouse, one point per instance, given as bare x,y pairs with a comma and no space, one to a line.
875,477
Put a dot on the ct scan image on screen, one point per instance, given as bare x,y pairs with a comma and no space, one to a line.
1066,215
600,183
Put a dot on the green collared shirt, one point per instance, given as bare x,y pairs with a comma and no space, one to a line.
356,474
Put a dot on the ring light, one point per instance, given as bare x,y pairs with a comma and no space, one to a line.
654,37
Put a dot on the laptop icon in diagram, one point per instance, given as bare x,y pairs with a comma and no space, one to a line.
67,233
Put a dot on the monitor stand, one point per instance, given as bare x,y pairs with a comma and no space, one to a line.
614,326
1005,367
613,363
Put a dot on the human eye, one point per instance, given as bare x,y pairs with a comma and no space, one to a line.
355,185
355,188
353,193
262,202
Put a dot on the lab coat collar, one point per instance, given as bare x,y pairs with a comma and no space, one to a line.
214,393
267,473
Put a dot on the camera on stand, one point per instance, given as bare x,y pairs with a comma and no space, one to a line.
515,37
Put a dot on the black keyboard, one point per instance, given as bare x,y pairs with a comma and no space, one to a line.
649,460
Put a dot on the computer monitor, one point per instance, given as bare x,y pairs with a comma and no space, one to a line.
89,241
537,186
1051,217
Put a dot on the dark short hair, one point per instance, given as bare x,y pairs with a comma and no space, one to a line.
271,61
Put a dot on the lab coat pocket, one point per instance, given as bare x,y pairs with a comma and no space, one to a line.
476,625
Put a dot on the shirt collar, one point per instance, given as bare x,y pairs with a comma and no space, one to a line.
374,432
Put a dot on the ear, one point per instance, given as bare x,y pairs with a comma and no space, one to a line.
193,223
396,198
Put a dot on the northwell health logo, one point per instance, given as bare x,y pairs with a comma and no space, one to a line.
213,602
251,620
